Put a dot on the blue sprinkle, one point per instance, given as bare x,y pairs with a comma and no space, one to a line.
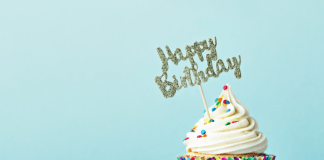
203,132
204,111
213,109
211,120
228,110
227,102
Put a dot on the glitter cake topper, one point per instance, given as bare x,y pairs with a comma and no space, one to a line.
197,48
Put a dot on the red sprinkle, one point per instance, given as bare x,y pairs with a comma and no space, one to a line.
224,101
235,121
225,87
187,138
199,136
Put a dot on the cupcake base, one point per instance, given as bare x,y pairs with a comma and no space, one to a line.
248,156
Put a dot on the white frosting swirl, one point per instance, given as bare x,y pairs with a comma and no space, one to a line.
236,138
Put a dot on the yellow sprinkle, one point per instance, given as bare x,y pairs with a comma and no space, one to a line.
221,96
206,120
194,127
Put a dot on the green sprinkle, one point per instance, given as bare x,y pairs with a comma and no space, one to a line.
228,123
216,100
192,131
217,103
230,158
250,158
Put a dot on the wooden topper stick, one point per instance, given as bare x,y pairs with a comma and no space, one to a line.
204,100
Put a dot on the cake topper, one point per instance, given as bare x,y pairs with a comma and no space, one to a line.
191,50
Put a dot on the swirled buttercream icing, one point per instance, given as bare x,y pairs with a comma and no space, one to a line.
229,131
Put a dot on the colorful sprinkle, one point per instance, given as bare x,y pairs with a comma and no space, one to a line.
228,123
236,158
221,96
225,87
228,110
193,128
206,120
230,158
193,158
217,103
211,120
216,100
220,99
199,136
205,135
204,111
213,109
203,132
250,158
235,121
224,158
226,102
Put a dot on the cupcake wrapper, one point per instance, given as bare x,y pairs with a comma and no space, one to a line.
260,157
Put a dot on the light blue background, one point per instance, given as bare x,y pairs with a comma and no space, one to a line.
77,76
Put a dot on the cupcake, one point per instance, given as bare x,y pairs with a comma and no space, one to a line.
228,134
